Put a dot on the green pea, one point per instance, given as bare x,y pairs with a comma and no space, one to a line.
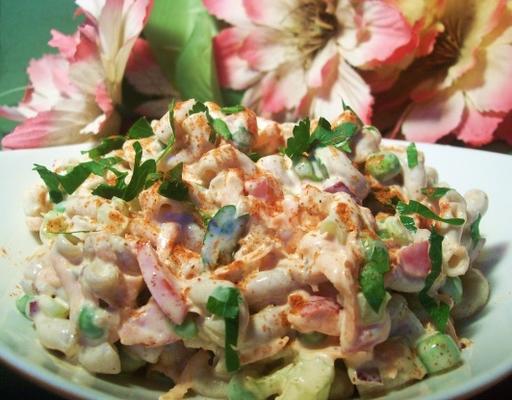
438,352
312,338
383,166
87,324
22,303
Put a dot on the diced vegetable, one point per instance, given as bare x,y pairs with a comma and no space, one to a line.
222,235
22,304
383,166
187,329
87,323
390,228
312,338
438,352
371,278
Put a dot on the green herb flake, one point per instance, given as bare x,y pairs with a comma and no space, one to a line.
475,230
106,146
51,181
173,186
438,312
187,329
415,207
408,223
140,129
217,125
298,144
371,278
225,302
412,156
435,193
232,109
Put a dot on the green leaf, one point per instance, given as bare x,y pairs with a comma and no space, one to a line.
412,155
217,125
475,230
169,26
106,146
225,302
232,97
435,193
299,142
51,181
415,207
371,278
438,312
196,75
408,223
172,139
232,109
221,128
199,107
140,129
172,186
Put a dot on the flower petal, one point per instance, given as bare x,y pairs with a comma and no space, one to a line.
231,11
12,113
233,71
323,65
385,30
265,49
477,127
348,87
491,94
504,130
433,119
272,13
283,90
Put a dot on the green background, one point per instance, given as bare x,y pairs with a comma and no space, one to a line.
24,33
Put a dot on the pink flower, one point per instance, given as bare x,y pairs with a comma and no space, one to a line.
73,94
297,57
462,85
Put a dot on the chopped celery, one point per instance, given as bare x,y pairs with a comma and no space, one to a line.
438,352
22,304
383,166
187,329
392,228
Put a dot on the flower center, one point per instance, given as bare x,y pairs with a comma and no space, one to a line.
314,24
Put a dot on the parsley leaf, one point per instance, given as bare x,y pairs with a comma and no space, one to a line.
172,139
172,186
415,207
140,129
371,278
475,230
217,125
408,223
225,302
51,181
105,147
137,182
58,184
298,144
435,193
412,155
232,109
439,312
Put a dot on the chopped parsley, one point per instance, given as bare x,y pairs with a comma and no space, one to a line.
371,278
232,109
217,125
435,193
475,230
140,129
225,302
414,207
412,156
172,186
439,312
106,146
303,142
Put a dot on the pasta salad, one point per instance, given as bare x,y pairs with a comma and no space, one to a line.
246,259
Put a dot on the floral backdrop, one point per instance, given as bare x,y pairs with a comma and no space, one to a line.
425,70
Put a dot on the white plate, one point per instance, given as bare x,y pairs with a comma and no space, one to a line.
485,362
